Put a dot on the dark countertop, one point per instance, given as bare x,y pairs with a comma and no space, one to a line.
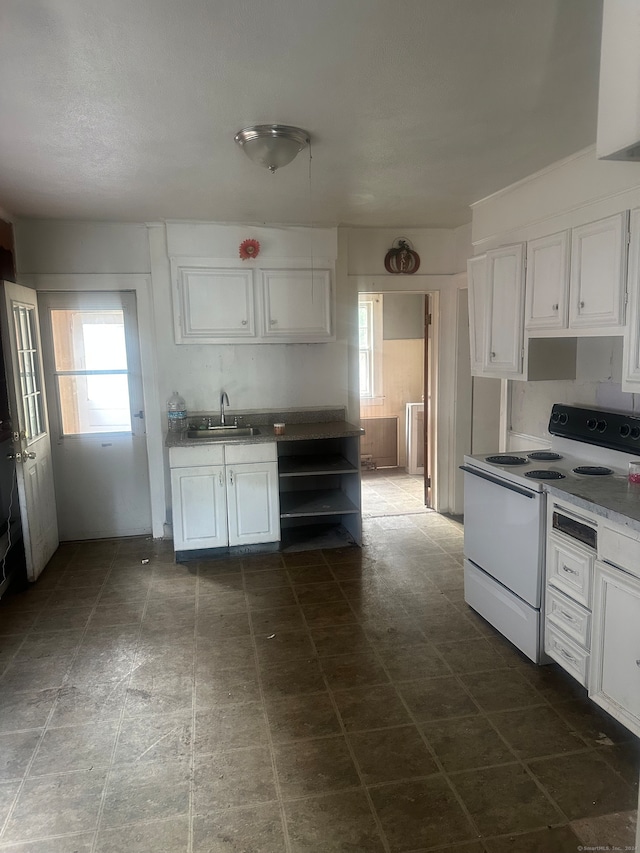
293,432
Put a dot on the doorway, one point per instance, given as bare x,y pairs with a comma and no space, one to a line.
94,385
396,358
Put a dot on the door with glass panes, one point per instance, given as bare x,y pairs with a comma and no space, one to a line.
98,436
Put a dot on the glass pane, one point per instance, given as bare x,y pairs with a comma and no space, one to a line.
89,340
94,404
365,375
30,381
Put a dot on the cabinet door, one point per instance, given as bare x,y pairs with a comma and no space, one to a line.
253,503
199,507
631,354
477,284
547,282
213,305
598,270
297,305
504,312
615,648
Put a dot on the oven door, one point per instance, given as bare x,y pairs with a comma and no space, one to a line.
504,532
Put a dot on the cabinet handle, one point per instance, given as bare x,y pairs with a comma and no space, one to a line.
581,305
273,322
555,307
244,322
231,477
638,663
566,654
493,355
567,616
220,478
569,570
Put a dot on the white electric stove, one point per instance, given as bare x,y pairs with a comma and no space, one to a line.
505,516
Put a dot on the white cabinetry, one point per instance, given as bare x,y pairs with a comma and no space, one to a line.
631,354
615,661
224,495
218,303
297,304
598,272
547,282
504,312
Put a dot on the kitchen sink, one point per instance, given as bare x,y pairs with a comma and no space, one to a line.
222,432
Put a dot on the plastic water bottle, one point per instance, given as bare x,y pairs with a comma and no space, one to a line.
176,412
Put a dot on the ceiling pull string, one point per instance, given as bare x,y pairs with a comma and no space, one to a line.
311,223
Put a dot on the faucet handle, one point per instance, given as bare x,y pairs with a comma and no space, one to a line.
236,418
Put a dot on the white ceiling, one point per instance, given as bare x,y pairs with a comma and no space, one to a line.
127,109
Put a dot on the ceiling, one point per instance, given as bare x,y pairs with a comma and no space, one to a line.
127,109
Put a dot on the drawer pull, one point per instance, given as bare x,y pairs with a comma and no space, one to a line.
566,654
567,616
569,570
638,663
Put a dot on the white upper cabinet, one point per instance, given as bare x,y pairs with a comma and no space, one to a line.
477,284
547,282
296,304
598,272
211,305
631,351
234,305
504,312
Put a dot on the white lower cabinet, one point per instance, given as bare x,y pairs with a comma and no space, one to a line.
615,659
235,502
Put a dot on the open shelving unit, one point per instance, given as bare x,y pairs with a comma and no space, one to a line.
319,482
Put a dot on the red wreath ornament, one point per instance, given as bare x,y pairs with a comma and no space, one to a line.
249,249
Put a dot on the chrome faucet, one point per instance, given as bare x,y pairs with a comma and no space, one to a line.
224,397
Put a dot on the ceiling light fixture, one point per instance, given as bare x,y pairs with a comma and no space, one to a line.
272,145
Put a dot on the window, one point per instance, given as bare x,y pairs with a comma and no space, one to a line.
28,365
370,334
90,368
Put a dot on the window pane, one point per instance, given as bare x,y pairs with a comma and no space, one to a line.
94,404
30,381
89,340
365,375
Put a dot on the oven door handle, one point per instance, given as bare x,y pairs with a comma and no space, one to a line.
520,491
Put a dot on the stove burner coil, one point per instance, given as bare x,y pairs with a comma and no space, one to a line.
544,456
505,459
592,470
544,474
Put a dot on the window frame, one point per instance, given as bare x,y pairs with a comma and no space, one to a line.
374,304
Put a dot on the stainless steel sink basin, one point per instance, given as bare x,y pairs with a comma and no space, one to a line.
219,432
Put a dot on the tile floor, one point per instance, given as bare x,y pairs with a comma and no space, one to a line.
391,491
340,701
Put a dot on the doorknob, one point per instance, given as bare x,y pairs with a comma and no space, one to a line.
21,455
139,414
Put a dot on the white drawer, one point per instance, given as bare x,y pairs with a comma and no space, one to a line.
567,653
235,454
192,457
622,548
572,618
570,568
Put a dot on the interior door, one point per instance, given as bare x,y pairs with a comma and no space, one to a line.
30,424
93,376
428,341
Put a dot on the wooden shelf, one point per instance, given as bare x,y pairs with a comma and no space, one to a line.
316,502
303,466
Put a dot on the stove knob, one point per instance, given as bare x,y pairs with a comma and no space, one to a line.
625,430
635,433
555,417
564,417
592,423
601,426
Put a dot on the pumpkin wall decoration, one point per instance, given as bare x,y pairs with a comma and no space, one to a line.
401,259
249,249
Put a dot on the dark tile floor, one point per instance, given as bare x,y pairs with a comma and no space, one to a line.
338,701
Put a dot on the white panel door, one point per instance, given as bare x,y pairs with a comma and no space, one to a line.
477,284
598,273
615,649
297,304
547,282
199,507
504,313
213,304
253,503
28,407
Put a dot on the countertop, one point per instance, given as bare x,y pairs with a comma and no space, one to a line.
609,497
293,432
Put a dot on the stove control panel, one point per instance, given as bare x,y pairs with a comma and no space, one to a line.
615,430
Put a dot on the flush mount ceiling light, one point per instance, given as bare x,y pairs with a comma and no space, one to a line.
272,145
